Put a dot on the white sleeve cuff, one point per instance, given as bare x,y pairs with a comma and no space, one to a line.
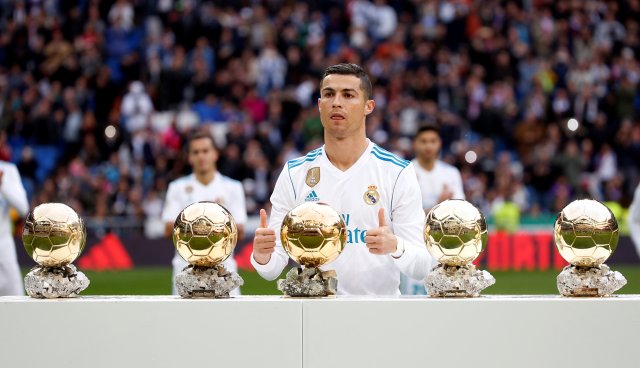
268,269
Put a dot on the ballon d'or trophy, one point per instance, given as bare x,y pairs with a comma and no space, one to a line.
586,234
313,234
205,234
54,236
455,233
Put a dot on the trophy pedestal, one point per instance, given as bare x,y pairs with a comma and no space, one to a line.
206,282
589,281
55,282
457,281
309,282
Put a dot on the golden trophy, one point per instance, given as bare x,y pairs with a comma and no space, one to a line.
586,234
205,234
54,236
313,234
455,233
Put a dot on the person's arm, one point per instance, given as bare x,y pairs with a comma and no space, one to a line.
269,257
12,190
402,240
458,189
634,219
235,203
171,209
407,221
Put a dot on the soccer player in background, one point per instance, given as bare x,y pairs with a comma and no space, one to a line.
438,181
375,192
12,195
204,184
634,219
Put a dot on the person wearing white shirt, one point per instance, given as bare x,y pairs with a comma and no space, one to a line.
634,219
12,195
438,181
204,184
375,192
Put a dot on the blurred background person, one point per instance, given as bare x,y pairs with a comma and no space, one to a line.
204,184
438,181
12,197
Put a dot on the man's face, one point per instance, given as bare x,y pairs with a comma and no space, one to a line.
343,105
202,155
427,145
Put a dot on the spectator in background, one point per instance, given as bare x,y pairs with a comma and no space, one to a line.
136,107
12,196
438,180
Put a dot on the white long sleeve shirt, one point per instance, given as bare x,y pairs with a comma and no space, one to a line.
12,195
377,179
634,219
432,182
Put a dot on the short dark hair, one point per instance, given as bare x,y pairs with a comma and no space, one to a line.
351,69
427,128
199,134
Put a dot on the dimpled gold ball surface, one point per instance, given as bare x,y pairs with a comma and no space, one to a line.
455,232
205,234
586,233
313,234
53,234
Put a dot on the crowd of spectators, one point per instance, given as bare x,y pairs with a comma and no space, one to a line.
537,100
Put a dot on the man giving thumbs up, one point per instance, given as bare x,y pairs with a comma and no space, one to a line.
376,193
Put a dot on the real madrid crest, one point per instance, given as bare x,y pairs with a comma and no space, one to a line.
313,176
371,196
188,189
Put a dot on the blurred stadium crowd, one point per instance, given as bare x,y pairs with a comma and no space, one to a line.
537,100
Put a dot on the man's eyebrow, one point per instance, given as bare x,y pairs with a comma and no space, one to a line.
329,89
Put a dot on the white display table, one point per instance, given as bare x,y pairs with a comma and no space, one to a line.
508,331
131,332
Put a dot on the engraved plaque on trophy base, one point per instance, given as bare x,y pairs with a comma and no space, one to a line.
55,282
309,282
589,281
457,281
206,282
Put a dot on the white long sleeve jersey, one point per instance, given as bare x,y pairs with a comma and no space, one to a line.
377,180
634,219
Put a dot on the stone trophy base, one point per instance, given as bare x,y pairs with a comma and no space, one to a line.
55,282
309,282
206,282
589,281
457,281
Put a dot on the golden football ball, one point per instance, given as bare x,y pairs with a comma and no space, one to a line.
313,234
586,233
455,232
53,234
205,234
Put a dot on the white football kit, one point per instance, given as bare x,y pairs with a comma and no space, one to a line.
377,180
432,182
432,185
12,194
222,190
634,219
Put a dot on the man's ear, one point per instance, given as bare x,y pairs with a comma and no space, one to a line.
369,106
